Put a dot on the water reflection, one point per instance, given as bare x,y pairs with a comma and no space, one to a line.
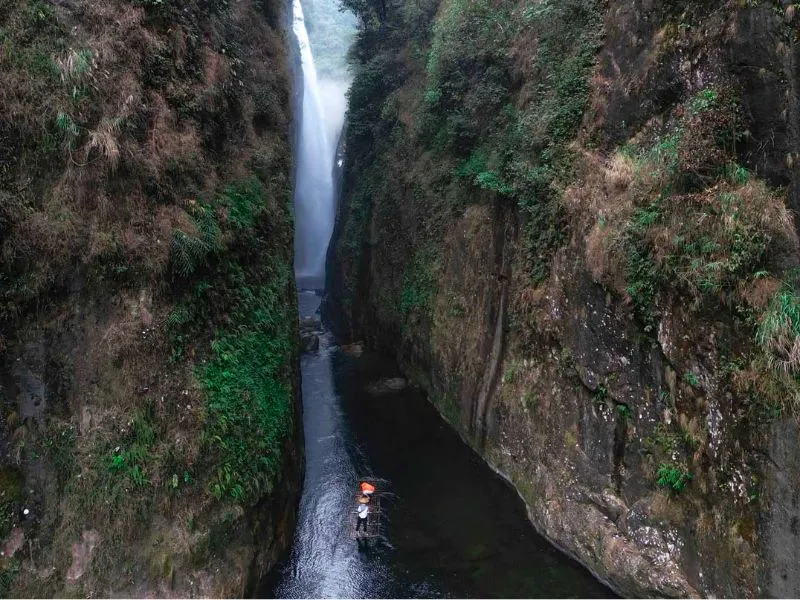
453,528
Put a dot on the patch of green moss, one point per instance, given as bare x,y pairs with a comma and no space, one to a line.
249,390
244,201
11,494
419,283
9,568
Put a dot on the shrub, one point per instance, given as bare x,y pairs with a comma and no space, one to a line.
419,283
244,202
190,250
249,390
721,226
673,476
779,330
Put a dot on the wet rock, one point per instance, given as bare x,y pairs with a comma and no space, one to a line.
309,342
385,386
356,349
310,325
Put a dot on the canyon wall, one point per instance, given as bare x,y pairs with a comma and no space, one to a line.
149,385
572,224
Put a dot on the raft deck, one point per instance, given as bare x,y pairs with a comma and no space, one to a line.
373,529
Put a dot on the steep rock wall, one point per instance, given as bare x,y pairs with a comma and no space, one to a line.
149,369
569,222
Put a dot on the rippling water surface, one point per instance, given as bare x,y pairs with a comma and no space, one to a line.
451,527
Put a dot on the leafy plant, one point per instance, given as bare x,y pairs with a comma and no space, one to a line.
191,250
419,283
673,476
9,569
779,331
131,459
512,371
68,129
690,378
624,411
249,390
244,202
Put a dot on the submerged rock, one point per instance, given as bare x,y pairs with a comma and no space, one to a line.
309,342
385,386
310,324
356,349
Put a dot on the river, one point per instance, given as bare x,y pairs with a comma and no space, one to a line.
451,527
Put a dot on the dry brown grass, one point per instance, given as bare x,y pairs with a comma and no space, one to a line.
600,204
76,66
104,140
759,292
167,140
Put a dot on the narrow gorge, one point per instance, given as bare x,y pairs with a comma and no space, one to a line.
545,259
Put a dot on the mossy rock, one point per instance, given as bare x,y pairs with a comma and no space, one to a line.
162,568
11,494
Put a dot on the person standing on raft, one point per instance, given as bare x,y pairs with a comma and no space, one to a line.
363,512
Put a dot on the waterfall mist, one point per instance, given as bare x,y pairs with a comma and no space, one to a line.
323,109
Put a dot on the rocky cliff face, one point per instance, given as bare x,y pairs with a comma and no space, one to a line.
570,222
148,389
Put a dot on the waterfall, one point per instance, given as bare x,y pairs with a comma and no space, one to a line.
314,186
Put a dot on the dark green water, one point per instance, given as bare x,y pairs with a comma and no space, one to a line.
451,527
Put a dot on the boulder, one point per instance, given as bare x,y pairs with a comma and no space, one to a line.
385,386
309,342
310,325
356,349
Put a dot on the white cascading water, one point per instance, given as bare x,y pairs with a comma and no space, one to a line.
314,187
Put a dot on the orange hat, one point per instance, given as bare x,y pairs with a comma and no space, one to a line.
367,488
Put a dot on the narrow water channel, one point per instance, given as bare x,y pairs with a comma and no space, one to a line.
451,527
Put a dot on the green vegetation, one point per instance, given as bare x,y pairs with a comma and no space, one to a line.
248,377
131,458
11,494
624,411
779,331
108,229
191,250
461,110
244,203
706,226
668,440
512,371
475,169
691,379
59,446
9,569
419,284
250,390
529,400
673,476
468,108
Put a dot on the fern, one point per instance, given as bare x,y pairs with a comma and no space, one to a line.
191,251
